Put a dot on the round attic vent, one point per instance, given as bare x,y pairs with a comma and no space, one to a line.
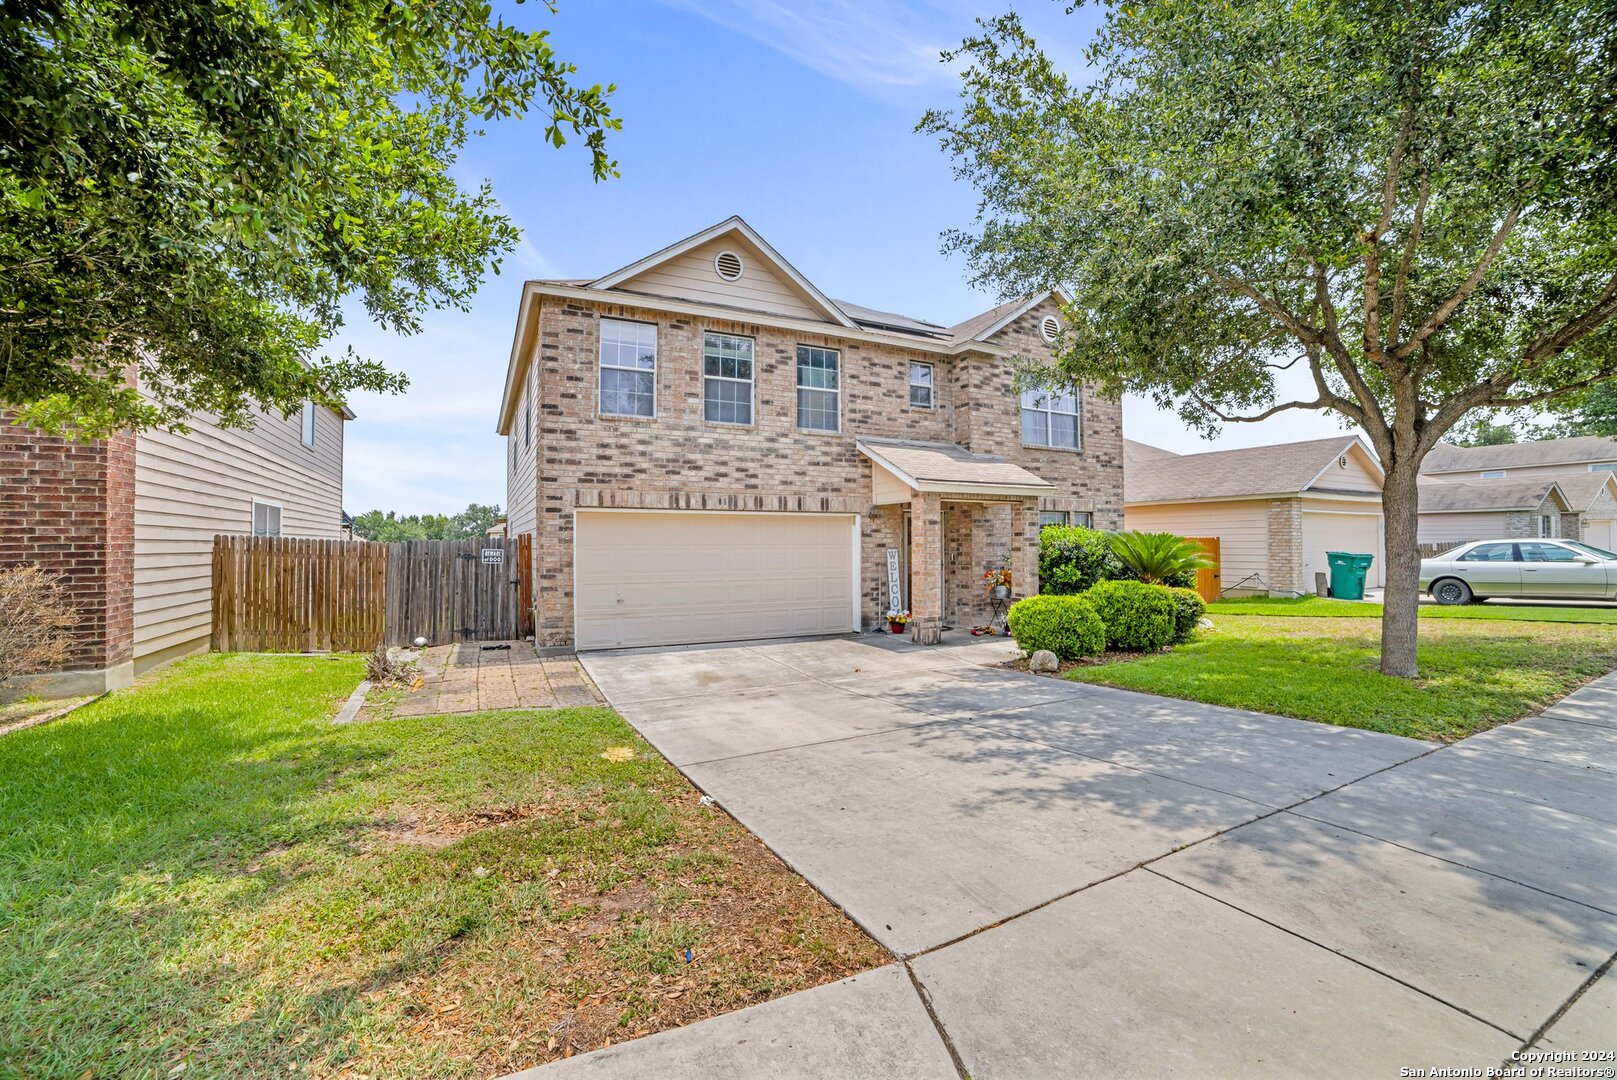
728,265
1050,327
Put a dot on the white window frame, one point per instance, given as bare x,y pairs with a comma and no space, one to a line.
750,382
797,377
1603,466
279,515
1545,526
601,365
1077,415
307,432
1062,517
1493,474
931,385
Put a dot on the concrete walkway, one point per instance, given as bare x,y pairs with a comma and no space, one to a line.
1081,881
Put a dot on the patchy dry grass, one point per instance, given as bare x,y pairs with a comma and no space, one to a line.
205,871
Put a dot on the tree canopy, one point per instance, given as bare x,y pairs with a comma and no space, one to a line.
190,190
389,527
1413,207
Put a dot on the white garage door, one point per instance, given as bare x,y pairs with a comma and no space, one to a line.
672,579
1602,534
1325,531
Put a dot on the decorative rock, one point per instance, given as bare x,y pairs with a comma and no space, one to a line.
1204,624
1044,660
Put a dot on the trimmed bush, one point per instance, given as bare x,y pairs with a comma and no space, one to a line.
1138,617
1072,559
1158,558
1189,607
1066,625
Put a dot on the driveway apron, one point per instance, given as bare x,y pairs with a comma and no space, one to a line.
1083,881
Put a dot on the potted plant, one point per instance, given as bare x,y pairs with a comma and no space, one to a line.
998,583
896,621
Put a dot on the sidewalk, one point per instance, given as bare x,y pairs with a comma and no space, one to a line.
480,675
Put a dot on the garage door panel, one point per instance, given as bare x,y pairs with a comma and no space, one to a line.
1326,531
661,579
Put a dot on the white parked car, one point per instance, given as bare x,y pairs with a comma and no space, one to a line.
1543,569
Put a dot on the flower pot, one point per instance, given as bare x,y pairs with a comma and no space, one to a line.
897,628
1001,592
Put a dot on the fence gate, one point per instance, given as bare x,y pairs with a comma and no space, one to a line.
1209,582
459,590
284,594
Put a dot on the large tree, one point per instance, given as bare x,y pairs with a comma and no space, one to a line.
1412,206
191,189
1593,412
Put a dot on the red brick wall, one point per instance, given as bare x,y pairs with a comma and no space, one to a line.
69,507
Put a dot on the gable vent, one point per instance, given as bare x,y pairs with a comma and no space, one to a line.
728,265
1050,327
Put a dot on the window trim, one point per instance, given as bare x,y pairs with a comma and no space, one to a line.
798,388
1078,421
752,383
306,432
1546,526
280,519
1603,466
601,366
931,386
1065,517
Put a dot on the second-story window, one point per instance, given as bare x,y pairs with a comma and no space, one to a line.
819,389
308,423
628,368
1050,419
921,386
727,378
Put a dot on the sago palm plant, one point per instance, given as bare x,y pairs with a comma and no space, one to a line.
1159,558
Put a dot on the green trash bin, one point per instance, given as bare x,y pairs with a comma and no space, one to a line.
1348,572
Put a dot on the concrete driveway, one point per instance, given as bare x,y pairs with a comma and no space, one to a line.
1084,881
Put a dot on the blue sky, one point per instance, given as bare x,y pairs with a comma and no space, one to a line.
798,116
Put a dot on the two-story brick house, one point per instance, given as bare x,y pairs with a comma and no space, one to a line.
707,447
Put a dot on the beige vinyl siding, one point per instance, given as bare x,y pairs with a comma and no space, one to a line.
1458,528
1530,472
691,276
1357,476
521,480
188,488
888,488
1242,528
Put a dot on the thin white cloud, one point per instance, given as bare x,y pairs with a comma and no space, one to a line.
874,45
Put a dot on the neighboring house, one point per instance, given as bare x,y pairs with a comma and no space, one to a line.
1585,508
129,522
707,447
1275,510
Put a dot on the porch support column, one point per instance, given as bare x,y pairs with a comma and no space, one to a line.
1024,548
926,568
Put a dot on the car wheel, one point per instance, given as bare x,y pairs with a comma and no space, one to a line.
1450,591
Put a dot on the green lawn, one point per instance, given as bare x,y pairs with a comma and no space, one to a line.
1314,607
1474,675
205,871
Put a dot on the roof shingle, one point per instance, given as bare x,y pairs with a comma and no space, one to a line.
1154,475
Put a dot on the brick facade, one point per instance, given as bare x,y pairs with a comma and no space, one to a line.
1285,577
69,507
679,460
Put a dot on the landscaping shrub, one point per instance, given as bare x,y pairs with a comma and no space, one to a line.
37,617
1066,625
1138,617
1073,558
1189,607
1159,558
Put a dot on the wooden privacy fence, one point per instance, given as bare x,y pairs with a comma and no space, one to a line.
1209,582
284,594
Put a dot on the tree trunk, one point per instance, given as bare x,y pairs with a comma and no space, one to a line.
1400,505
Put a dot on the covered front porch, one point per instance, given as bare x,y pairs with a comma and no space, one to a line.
957,517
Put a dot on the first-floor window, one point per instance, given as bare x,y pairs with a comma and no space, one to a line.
1051,517
920,386
266,519
1050,419
1084,518
819,389
628,368
727,378
1546,525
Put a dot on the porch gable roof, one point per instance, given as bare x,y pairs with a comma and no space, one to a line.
946,468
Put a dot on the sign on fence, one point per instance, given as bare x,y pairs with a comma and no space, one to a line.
284,594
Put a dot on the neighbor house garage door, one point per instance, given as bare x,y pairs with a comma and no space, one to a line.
1325,531
1602,534
649,578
